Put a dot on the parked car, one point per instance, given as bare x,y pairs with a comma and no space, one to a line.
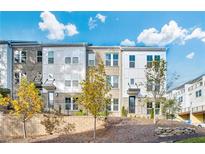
201,125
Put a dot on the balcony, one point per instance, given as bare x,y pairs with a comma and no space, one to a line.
198,109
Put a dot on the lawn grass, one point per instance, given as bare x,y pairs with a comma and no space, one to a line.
193,140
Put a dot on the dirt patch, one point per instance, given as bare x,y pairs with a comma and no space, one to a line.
121,130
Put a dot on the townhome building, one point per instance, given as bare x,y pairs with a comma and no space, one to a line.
111,56
5,65
27,61
64,67
134,85
191,96
58,69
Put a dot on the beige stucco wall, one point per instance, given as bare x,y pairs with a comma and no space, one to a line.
10,126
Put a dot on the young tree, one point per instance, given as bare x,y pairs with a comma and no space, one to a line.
156,82
170,108
94,96
28,102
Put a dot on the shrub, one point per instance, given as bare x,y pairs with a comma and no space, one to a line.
51,122
124,112
80,113
68,128
152,114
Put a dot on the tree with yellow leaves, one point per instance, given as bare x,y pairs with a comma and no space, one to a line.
28,102
94,96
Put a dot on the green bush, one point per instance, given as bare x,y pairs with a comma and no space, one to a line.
4,92
124,112
152,114
80,113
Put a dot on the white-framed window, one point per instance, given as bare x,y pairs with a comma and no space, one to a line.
113,80
19,56
18,76
75,60
199,93
114,105
111,59
108,59
75,83
149,61
67,60
91,59
50,57
68,83
115,59
157,58
150,108
132,81
70,104
132,61
180,99
39,56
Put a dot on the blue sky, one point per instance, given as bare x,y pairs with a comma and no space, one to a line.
183,33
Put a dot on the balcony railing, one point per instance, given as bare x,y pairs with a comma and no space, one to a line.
194,109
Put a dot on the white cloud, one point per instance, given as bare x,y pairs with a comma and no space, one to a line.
190,55
197,33
56,30
127,42
169,33
101,17
71,29
93,21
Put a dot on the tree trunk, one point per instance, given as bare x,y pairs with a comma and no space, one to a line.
24,129
154,119
94,132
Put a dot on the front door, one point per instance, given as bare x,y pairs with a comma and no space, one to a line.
50,100
132,104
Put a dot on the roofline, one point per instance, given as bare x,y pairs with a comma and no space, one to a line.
64,45
103,47
161,49
188,82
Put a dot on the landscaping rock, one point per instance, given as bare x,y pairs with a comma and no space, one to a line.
167,131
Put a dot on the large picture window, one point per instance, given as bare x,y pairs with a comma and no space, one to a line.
50,57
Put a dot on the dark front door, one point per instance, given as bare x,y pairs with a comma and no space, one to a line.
132,104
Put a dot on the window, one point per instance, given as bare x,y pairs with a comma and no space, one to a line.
113,80
91,59
108,59
109,107
17,77
198,93
75,60
180,99
115,104
115,59
19,56
149,107
149,61
23,56
75,83
50,57
75,105
157,58
39,56
132,81
68,83
67,60
68,103
149,86
157,108
132,61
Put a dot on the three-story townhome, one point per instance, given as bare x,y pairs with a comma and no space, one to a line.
111,57
134,87
64,67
